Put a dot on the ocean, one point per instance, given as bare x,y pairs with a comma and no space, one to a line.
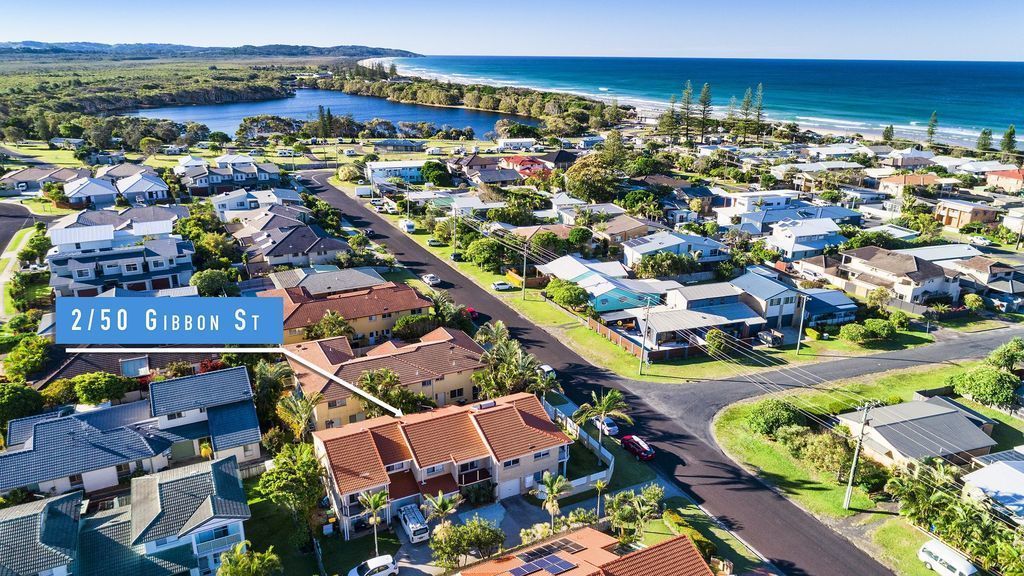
227,117
832,95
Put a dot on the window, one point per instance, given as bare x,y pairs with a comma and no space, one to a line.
372,318
774,301
789,300
81,273
457,393
175,415
428,383
249,449
163,541
220,532
75,479
336,403
542,454
395,467
510,463
124,469
430,471
158,263
386,315
131,267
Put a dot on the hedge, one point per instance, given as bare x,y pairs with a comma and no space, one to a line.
680,527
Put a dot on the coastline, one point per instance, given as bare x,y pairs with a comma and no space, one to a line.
647,107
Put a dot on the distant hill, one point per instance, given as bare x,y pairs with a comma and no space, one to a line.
179,50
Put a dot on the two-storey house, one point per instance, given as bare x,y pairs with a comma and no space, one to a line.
703,250
143,188
230,172
909,277
771,298
242,200
799,239
505,444
439,366
295,247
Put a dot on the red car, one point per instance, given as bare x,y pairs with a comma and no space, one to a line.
472,313
636,446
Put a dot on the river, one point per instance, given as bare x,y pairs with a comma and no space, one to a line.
304,105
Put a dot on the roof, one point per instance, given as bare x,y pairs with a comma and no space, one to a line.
528,232
663,318
399,142
619,224
233,425
895,231
760,286
323,280
302,309
965,205
941,252
706,291
69,366
199,391
924,429
89,187
897,263
660,241
506,427
39,536
61,236
299,239
1015,174
1003,482
573,268
141,182
106,548
675,557
178,501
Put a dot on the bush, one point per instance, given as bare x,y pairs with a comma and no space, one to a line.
771,414
566,294
812,333
988,385
899,319
853,332
9,341
27,357
974,303
26,322
60,392
680,527
97,387
793,437
18,401
871,476
878,329
349,174
413,326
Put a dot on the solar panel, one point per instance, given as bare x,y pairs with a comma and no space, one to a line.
554,564
525,569
549,549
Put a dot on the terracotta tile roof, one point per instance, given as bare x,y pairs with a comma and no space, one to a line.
675,557
324,353
301,309
403,484
596,552
520,427
1017,174
448,437
355,463
443,483
390,443
922,179
439,353
528,232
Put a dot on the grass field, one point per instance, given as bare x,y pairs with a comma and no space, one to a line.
970,324
42,153
899,542
45,207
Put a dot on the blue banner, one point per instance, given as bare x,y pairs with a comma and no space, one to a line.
148,320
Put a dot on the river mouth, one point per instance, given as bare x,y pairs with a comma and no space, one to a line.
304,105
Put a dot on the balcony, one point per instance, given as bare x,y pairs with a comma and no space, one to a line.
473,476
204,548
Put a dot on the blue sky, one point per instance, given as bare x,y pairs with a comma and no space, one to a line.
889,29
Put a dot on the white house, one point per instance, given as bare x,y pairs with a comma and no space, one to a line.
186,163
408,170
143,187
516,143
85,191
982,167
710,250
797,239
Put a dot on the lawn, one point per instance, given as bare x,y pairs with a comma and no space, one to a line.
45,207
582,462
42,153
728,547
970,324
15,244
36,291
270,525
900,542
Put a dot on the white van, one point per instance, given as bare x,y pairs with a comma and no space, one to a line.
408,226
413,523
940,558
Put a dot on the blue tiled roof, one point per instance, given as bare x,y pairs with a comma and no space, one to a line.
233,425
761,287
199,391
39,536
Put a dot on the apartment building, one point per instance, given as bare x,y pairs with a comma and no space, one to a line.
910,278
507,443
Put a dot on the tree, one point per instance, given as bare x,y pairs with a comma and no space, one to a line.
611,404
492,333
296,484
879,298
1007,356
899,319
269,380
933,125
854,332
600,486
413,326
374,503
888,133
435,173
487,253
828,453
27,357
241,560
716,342
668,122
974,303
13,134
686,112
214,283
759,109
1008,144
614,153
440,507
579,236
771,414
705,109
592,179
18,401
988,385
482,536
567,294
331,325
296,411
384,384
448,545
551,487
879,329
98,387
60,392
984,140
150,145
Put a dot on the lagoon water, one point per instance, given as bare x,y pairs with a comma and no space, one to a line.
841,95
227,117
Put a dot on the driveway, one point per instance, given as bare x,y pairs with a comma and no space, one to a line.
675,418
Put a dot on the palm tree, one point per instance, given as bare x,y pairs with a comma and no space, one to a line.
241,561
551,487
296,411
268,383
544,384
440,507
446,311
331,325
492,333
611,404
382,383
600,486
374,503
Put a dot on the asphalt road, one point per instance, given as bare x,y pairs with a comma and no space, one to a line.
13,217
789,537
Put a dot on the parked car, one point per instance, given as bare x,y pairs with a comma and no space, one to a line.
413,523
456,257
351,152
431,280
473,314
608,427
434,242
636,446
546,370
980,241
940,558
407,225
501,286
380,566
377,201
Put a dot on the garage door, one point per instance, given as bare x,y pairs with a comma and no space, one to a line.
136,286
161,283
508,489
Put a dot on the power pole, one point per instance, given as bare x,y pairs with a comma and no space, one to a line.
643,337
525,241
455,233
803,310
856,454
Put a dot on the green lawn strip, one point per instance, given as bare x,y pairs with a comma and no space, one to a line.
582,462
19,237
341,556
900,542
45,207
970,324
35,291
42,153
655,532
729,547
9,309
556,399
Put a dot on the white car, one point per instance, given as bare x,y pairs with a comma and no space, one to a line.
546,370
413,523
380,566
980,241
501,286
939,557
606,426
431,280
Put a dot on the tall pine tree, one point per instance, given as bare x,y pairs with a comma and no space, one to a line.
1009,143
746,114
985,140
888,133
704,103
759,110
933,125
686,112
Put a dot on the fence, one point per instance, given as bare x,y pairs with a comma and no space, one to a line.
908,306
254,469
585,483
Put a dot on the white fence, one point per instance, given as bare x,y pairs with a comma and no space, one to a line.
587,482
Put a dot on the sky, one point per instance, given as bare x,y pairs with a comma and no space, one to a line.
869,29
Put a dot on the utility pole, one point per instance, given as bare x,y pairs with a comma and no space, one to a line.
455,234
803,314
643,337
525,241
856,453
